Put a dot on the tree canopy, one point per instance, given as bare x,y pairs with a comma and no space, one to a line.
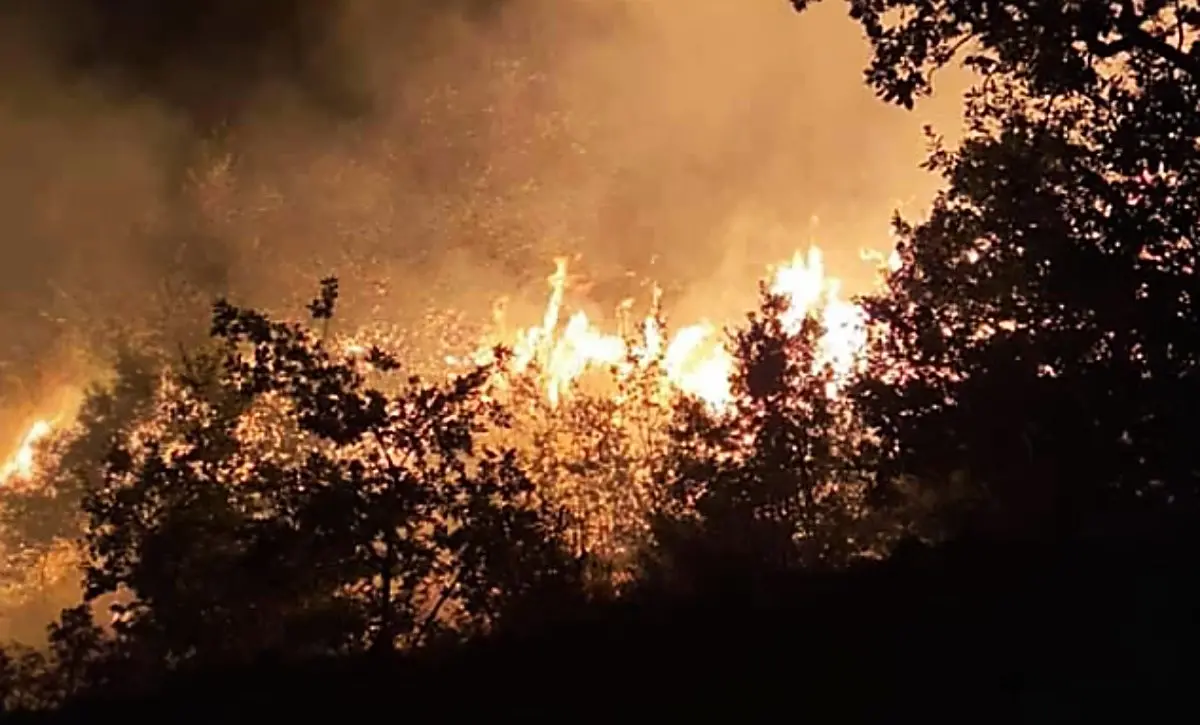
1032,367
1041,330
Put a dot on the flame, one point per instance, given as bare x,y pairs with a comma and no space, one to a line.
21,466
695,359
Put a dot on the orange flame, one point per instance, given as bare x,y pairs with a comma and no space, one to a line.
21,466
695,359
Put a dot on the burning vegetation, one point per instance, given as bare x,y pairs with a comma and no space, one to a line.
533,474
384,476
20,467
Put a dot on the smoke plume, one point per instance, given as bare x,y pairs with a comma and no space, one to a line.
434,155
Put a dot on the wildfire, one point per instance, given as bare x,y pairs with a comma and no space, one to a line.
695,359
21,465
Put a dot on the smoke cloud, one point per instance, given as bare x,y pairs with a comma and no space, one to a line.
433,155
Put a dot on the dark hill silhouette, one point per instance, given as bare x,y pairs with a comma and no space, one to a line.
1019,632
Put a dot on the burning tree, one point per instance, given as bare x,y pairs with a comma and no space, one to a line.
280,501
595,409
597,451
286,489
40,516
777,479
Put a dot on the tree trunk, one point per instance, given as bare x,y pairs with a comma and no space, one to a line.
386,639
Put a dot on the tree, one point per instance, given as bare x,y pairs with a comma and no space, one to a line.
776,481
24,675
36,516
78,653
283,501
41,521
180,524
598,452
435,505
1041,334
72,664
1056,48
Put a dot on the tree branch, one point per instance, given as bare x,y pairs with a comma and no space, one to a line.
423,628
1135,36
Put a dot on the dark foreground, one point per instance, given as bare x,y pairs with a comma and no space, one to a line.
1030,633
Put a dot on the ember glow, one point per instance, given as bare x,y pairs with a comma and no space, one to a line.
694,358
20,466
568,345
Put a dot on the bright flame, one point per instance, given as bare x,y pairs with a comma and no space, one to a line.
804,284
695,360
21,465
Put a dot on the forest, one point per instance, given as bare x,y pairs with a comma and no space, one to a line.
990,513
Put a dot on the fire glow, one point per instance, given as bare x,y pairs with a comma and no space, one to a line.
21,465
693,359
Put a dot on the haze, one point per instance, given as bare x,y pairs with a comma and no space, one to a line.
433,159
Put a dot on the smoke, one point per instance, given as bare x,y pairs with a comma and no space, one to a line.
153,155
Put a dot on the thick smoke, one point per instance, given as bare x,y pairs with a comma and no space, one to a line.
155,154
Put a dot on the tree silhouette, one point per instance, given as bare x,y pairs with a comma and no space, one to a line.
73,664
41,520
1041,332
1056,48
598,452
777,481
36,516
23,680
283,503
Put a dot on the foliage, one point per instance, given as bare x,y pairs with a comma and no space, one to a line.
41,522
37,516
598,454
1054,48
269,495
1041,335
779,480
73,664
1033,363
280,503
